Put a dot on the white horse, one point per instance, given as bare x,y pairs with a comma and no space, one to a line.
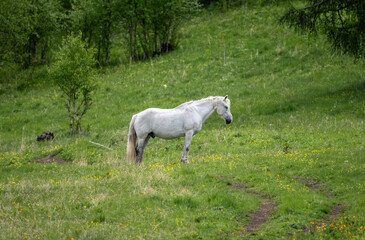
184,120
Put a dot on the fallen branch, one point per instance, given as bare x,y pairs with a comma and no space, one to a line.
100,145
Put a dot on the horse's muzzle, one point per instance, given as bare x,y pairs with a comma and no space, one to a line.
228,121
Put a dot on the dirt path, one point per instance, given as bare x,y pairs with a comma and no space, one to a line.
260,216
51,159
321,187
267,207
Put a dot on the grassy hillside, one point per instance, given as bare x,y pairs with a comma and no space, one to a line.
296,143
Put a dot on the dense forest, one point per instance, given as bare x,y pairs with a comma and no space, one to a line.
30,30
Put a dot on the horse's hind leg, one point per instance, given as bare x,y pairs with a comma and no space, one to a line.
141,145
188,138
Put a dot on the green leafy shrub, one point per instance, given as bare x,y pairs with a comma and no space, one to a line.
73,72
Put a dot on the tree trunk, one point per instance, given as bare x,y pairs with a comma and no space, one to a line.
76,113
168,35
107,35
70,114
44,52
35,50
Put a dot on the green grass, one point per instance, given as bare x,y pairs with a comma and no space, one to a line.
286,90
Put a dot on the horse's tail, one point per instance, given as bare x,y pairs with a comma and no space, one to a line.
132,138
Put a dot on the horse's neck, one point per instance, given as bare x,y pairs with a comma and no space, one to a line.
206,109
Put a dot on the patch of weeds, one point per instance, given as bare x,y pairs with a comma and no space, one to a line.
98,215
186,201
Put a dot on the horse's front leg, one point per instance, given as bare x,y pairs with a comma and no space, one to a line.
188,138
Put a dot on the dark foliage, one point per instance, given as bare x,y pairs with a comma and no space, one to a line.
45,137
30,30
342,21
151,27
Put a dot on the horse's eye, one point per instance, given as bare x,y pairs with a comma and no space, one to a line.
226,107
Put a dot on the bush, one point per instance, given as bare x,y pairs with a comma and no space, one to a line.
73,72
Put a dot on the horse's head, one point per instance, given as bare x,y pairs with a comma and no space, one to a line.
223,109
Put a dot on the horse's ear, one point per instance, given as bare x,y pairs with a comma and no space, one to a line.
225,98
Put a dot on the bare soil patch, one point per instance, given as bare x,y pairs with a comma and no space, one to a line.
314,185
260,216
52,159
244,188
335,210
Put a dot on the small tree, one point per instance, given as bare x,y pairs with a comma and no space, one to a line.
73,72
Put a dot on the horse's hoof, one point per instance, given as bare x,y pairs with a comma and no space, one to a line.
184,161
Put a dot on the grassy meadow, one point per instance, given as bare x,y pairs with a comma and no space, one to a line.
297,140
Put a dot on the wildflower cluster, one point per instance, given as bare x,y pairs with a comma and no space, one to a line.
17,160
2,188
52,181
93,157
345,227
148,190
100,176
23,207
230,160
165,167
53,150
283,183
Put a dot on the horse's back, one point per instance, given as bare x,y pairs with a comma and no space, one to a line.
163,123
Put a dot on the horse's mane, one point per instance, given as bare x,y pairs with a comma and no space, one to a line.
183,105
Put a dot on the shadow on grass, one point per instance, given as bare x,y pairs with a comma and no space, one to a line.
341,100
